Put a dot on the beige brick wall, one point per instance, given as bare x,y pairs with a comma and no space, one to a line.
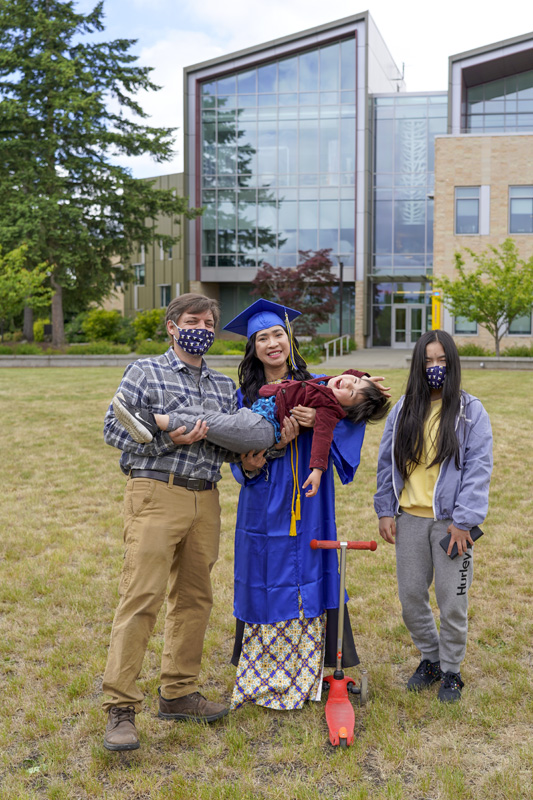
499,162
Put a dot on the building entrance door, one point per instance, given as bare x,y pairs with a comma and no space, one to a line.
408,324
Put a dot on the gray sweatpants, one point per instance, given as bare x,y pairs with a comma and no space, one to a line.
419,558
240,432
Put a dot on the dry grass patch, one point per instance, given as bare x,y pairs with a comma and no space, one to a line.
60,558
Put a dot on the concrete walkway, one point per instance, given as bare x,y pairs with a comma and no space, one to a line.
374,360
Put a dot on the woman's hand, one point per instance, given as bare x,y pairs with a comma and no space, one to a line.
387,529
252,461
289,431
179,437
304,416
377,382
460,537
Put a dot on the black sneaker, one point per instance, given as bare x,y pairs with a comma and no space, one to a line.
139,422
425,675
450,688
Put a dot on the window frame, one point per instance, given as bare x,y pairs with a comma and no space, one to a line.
457,200
520,197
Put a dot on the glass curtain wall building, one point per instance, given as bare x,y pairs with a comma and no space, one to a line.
405,126
278,160
277,149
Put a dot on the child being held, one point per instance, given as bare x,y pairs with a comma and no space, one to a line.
353,395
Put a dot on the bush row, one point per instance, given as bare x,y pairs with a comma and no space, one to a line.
517,351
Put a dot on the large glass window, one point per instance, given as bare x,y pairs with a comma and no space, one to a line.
278,159
521,209
464,327
521,326
505,104
405,127
467,209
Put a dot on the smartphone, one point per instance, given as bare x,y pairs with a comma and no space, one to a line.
475,533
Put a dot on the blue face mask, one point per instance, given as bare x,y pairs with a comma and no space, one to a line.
436,376
195,341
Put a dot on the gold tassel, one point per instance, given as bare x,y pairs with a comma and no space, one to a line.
292,531
295,506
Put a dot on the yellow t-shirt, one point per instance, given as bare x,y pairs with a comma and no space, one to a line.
417,495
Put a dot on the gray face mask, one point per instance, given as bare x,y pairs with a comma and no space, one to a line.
195,341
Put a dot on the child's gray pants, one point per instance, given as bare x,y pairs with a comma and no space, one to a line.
239,433
419,558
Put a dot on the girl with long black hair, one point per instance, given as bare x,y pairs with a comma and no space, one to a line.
434,468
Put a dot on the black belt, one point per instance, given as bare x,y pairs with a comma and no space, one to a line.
192,484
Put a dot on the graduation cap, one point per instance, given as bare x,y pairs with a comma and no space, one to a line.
261,315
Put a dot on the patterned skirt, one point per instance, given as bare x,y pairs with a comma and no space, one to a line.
281,664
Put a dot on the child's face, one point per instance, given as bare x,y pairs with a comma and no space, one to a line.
347,389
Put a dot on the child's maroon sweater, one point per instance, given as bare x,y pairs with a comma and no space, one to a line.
313,394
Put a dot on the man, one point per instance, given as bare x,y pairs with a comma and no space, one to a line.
171,526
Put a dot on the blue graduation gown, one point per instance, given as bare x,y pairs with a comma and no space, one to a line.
270,565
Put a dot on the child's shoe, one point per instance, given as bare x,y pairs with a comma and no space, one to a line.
450,688
424,676
139,422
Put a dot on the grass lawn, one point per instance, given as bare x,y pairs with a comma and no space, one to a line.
60,559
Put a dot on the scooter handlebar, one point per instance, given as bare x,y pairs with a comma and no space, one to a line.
316,544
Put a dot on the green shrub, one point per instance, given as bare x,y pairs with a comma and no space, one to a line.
6,350
472,350
38,329
518,351
221,347
28,349
74,328
150,324
147,347
101,325
99,349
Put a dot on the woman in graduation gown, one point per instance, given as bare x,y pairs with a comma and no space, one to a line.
285,591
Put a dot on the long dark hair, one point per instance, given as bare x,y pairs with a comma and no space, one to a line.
252,371
408,447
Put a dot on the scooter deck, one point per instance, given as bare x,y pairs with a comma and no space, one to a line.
339,711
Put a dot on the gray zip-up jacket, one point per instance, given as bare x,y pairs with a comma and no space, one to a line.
461,495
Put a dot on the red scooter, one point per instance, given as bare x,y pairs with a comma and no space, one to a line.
340,715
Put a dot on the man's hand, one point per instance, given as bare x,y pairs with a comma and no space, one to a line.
289,431
179,437
387,529
304,416
252,461
459,536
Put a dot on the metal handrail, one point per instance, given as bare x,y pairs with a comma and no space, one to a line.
339,339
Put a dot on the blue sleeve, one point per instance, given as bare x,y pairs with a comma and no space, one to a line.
472,502
346,449
385,503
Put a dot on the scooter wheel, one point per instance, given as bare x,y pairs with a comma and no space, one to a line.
343,743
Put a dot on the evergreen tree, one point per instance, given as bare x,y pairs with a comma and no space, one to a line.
67,111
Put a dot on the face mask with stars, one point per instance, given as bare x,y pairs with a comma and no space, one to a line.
195,341
435,376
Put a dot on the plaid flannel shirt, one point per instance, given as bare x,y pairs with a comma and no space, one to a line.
164,384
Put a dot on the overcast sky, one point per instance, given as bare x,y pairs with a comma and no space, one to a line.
173,34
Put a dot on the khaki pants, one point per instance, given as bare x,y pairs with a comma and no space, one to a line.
171,536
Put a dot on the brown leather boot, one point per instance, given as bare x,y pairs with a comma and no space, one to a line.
121,733
191,706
